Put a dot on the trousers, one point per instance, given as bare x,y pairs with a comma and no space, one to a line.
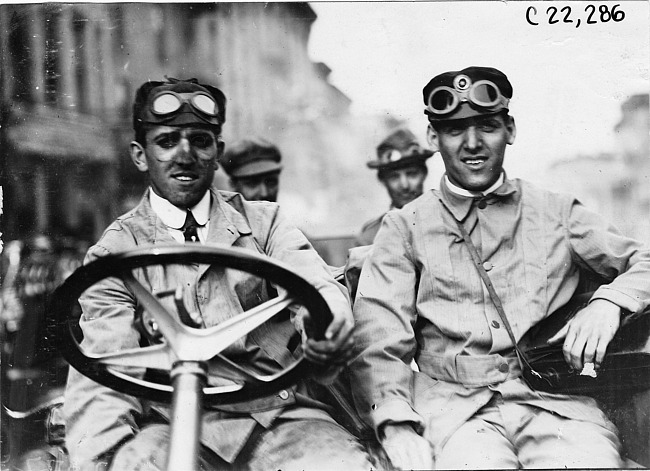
289,445
511,435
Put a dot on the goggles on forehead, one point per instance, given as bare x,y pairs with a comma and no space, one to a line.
483,93
168,102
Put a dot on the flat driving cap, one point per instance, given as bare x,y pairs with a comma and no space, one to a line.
187,113
461,84
251,157
399,149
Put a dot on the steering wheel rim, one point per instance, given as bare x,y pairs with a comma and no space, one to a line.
119,265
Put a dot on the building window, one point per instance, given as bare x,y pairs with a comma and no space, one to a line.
157,18
99,58
79,25
52,54
19,51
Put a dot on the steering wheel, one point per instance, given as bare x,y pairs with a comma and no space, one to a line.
182,343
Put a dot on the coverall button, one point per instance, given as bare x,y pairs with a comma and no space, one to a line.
487,266
495,324
503,368
284,395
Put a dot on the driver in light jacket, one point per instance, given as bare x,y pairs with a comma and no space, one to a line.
177,143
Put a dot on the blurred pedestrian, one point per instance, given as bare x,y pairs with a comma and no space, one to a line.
401,168
253,165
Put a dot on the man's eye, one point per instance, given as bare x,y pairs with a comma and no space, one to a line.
487,127
202,141
166,142
454,131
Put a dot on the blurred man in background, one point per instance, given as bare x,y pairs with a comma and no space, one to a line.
253,166
402,169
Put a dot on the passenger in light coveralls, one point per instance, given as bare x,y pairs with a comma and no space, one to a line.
419,296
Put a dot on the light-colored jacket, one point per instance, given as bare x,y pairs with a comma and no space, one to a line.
97,418
419,296
369,231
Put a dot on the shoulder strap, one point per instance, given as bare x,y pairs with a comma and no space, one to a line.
490,287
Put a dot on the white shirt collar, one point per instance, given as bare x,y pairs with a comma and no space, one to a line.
471,194
173,216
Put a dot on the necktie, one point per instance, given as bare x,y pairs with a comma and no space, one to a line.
189,228
481,201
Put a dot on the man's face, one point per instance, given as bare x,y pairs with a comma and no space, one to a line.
180,161
473,149
258,187
404,184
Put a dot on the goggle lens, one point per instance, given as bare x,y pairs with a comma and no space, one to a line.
205,104
442,100
166,103
485,94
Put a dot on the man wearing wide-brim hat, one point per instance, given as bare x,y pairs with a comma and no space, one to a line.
401,168
430,290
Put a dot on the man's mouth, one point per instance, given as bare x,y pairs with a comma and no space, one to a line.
184,177
475,161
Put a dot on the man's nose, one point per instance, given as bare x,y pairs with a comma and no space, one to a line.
472,138
403,182
263,191
185,151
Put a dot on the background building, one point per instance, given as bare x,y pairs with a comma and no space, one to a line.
615,184
69,75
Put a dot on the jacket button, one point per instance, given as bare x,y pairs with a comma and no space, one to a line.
482,204
503,367
284,395
495,324
487,266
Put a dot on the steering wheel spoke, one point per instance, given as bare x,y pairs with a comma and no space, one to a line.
222,366
168,326
156,356
216,339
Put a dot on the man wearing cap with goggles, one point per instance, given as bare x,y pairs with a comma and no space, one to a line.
253,166
420,296
177,143
401,168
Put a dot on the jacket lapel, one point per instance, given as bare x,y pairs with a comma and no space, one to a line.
150,229
227,225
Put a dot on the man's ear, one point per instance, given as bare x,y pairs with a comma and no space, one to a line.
512,130
432,139
138,156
